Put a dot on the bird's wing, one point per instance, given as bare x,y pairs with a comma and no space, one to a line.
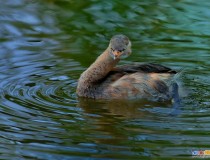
144,68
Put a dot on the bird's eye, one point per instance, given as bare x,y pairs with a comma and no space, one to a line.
122,50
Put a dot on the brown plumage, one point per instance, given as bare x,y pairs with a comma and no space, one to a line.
102,80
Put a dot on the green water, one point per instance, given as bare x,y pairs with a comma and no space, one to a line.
46,45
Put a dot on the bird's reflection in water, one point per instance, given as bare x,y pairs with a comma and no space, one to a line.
109,121
122,109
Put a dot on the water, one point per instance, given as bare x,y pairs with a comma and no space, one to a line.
44,47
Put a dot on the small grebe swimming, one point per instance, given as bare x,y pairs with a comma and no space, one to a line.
102,80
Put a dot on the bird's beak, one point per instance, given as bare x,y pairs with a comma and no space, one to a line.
116,54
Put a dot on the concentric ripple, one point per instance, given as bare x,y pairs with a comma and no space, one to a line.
35,109
39,92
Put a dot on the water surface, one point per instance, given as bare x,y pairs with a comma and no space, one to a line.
46,45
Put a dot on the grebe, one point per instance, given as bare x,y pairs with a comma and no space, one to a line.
102,80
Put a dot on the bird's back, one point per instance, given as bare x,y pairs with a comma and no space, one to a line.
149,81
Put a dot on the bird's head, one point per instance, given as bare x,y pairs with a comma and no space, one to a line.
119,46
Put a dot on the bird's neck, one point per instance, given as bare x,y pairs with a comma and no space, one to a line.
97,71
